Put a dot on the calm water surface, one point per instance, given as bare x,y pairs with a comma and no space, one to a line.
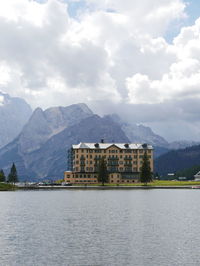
100,227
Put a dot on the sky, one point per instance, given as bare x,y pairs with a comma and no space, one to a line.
139,59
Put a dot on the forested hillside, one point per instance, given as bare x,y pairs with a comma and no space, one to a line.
177,160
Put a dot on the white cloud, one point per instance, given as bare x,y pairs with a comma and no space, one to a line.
113,53
181,81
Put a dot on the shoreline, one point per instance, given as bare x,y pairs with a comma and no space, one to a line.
102,187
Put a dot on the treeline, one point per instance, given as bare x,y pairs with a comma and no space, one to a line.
12,176
189,172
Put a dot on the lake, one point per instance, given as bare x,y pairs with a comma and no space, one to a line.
100,227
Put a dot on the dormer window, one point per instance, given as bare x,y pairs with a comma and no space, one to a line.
144,146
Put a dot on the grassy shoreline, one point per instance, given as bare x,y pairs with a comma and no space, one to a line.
7,187
156,183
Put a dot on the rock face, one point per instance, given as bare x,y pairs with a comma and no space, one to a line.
45,124
14,113
40,151
142,134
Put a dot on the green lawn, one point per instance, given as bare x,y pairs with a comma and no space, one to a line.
6,187
165,183
155,183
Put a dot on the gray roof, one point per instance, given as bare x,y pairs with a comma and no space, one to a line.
134,146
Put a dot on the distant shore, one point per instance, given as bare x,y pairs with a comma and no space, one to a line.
102,187
156,184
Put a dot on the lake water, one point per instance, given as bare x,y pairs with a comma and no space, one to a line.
100,227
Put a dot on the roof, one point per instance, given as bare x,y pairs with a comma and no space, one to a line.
124,146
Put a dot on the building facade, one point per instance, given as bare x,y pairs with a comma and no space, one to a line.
124,161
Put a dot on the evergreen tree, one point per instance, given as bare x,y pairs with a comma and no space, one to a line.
102,172
2,176
145,175
13,177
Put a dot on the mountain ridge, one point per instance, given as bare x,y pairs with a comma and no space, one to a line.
14,114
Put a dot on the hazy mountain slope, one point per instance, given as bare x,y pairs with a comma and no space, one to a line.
139,133
182,144
14,113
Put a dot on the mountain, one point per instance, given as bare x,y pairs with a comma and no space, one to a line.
44,124
14,113
182,144
40,151
142,134
177,160
139,133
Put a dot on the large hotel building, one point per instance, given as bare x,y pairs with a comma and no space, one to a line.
123,160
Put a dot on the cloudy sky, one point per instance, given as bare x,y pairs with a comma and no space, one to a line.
140,59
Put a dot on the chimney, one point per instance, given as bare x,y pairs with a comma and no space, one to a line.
96,145
102,140
126,145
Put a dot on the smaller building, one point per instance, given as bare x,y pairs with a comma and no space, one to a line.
124,161
197,176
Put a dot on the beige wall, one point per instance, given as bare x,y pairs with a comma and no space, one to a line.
90,154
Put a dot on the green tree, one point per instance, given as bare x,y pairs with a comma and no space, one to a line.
145,175
102,171
13,177
2,176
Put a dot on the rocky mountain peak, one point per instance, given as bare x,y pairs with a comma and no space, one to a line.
14,113
139,133
45,124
